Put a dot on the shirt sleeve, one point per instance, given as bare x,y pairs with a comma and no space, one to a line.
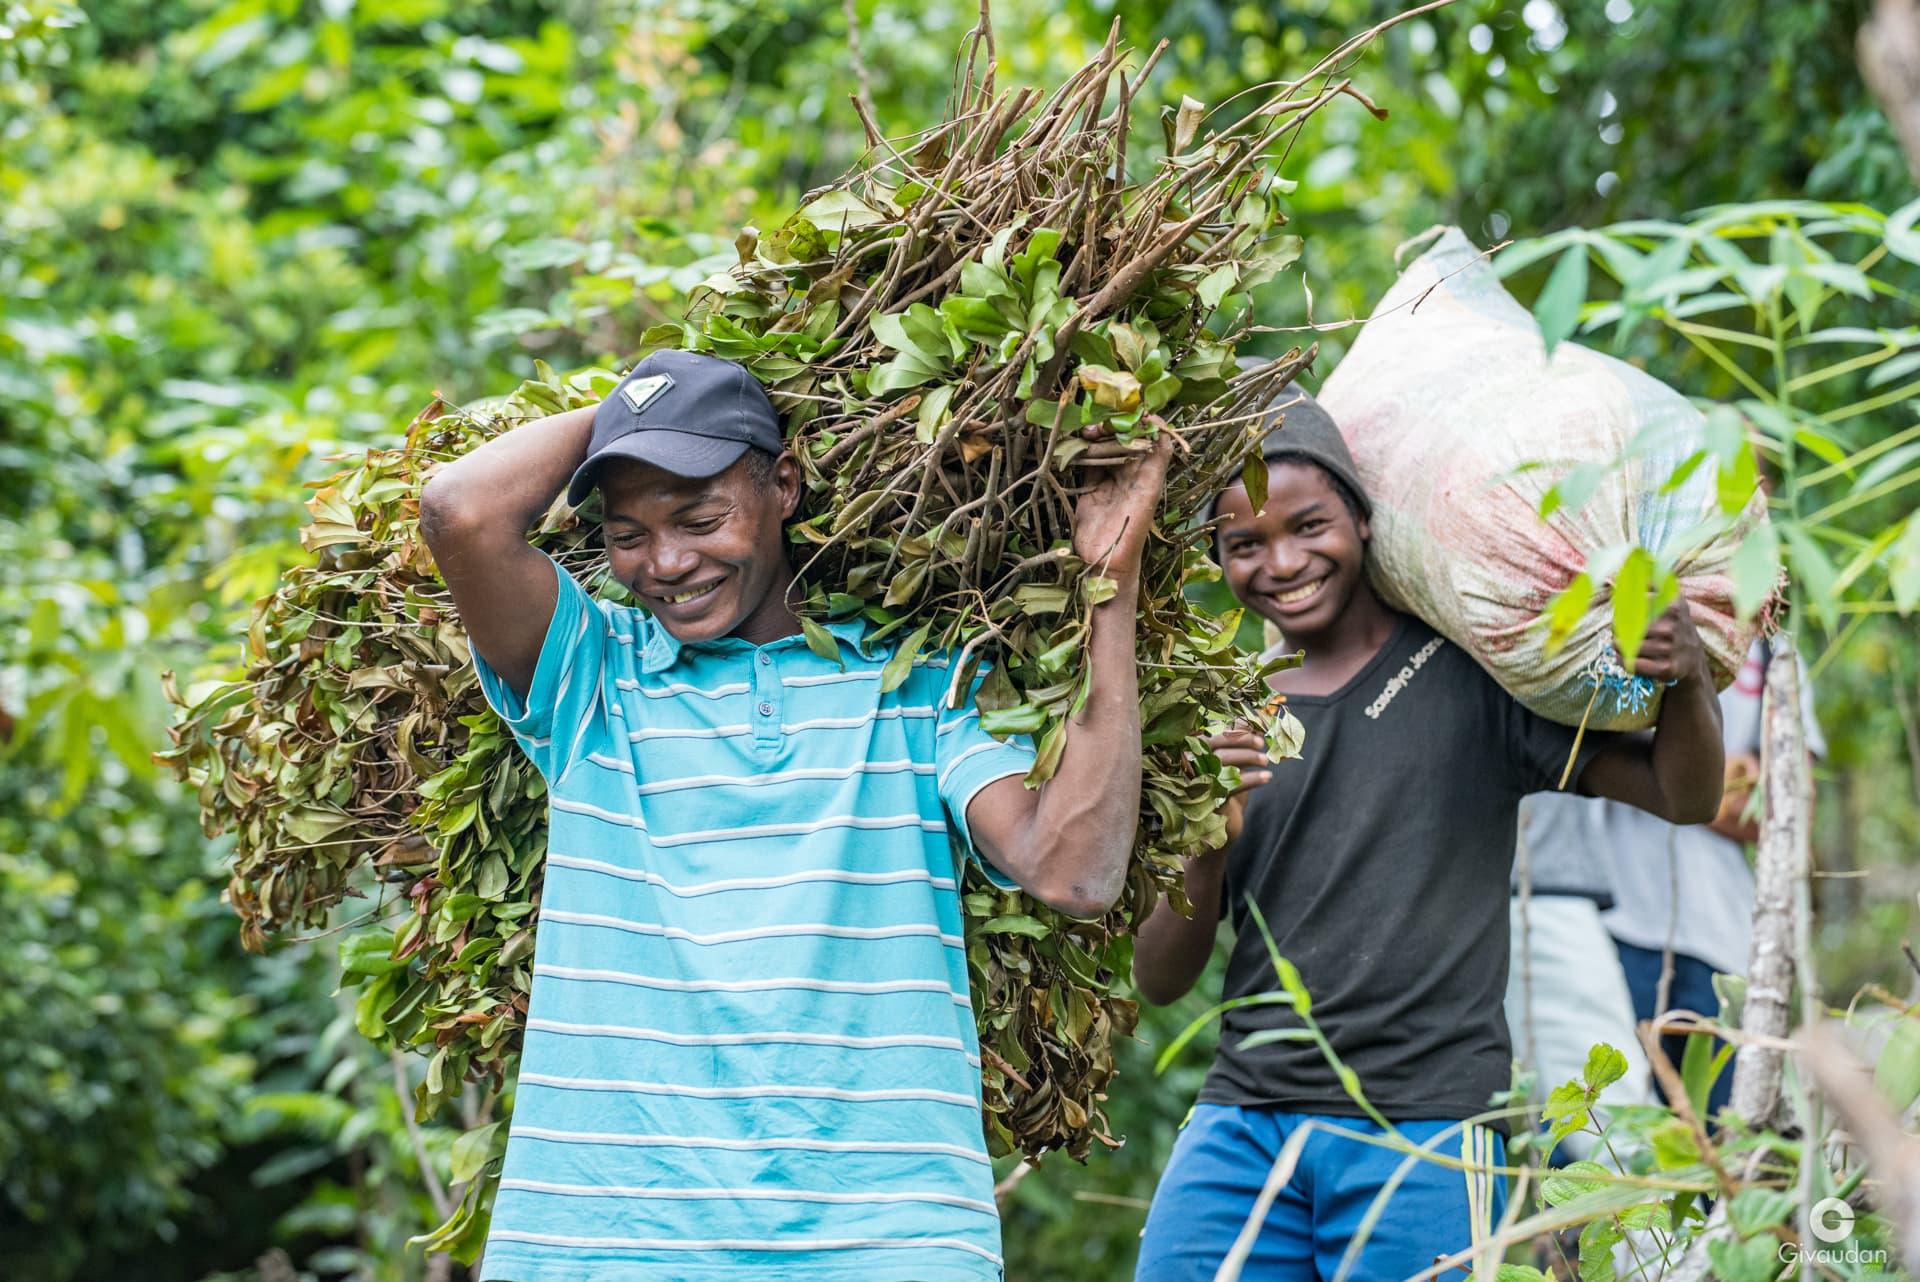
967,759
551,723
1539,750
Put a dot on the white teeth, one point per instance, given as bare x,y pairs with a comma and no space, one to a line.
684,597
1300,594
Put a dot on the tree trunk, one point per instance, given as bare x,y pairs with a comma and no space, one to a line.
1783,865
1781,874
1890,63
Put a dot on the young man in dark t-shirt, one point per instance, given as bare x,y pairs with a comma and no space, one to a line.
1380,864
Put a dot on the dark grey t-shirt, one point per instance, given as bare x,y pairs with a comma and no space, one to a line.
1380,861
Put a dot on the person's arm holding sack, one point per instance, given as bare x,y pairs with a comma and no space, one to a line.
1676,772
1067,843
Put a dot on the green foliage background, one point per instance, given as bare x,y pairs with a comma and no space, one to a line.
238,237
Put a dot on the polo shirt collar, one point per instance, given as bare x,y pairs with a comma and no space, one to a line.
663,650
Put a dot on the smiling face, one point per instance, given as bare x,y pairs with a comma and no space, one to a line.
1300,560
706,555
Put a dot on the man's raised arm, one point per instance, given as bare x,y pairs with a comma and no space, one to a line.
1067,844
474,515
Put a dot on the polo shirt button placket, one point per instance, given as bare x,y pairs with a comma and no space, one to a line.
766,692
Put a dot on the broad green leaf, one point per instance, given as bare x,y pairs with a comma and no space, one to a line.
1573,1180
1558,308
1674,1145
1022,718
1566,609
1754,1260
841,210
1755,1210
1112,389
1813,570
821,641
900,665
1217,285
1605,1066
471,1151
1903,568
1901,239
1014,924
1047,754
368,952
1253,478
1755,569
1897,1072
1632,599
1574,489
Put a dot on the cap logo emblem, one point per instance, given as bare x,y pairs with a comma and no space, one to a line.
641,392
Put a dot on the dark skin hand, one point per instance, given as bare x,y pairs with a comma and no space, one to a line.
707,556
1300,564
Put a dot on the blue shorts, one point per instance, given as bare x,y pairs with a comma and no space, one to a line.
1222,1159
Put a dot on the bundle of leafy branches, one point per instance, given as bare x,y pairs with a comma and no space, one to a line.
957,334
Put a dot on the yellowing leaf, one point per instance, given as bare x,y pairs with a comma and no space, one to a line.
1113,389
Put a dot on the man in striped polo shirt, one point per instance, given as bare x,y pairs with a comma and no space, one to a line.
751,1051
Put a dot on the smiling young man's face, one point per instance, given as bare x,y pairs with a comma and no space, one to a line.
705,555
1298,562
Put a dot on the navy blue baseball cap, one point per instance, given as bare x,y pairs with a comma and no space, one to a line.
689,414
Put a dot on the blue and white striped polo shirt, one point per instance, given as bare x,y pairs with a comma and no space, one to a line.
750,1051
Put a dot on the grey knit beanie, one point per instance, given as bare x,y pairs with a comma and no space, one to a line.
1298,426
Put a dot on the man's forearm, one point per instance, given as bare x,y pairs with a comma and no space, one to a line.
1171,951
1688,754
1085,816
511,479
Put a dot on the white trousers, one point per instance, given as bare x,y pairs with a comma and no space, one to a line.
1579,997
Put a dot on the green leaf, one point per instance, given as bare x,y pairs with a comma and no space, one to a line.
841,209
1558,308
1897,1073
1673,1144
1900,238
1217,284
1903,568
1047,755
368,952
1598,1238
1574,489
1605,1066
1015,924
1565,610
1112,389
471,1152
1632,597
1021,718
1253,478
1042,598
1754,1260
1755,1210
1098,589
1519,1273
1574,1180
821,641
901,664
1813,569
490,881
1755,569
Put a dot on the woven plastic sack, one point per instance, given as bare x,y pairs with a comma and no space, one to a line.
1445,396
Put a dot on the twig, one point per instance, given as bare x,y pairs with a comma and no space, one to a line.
403,1090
